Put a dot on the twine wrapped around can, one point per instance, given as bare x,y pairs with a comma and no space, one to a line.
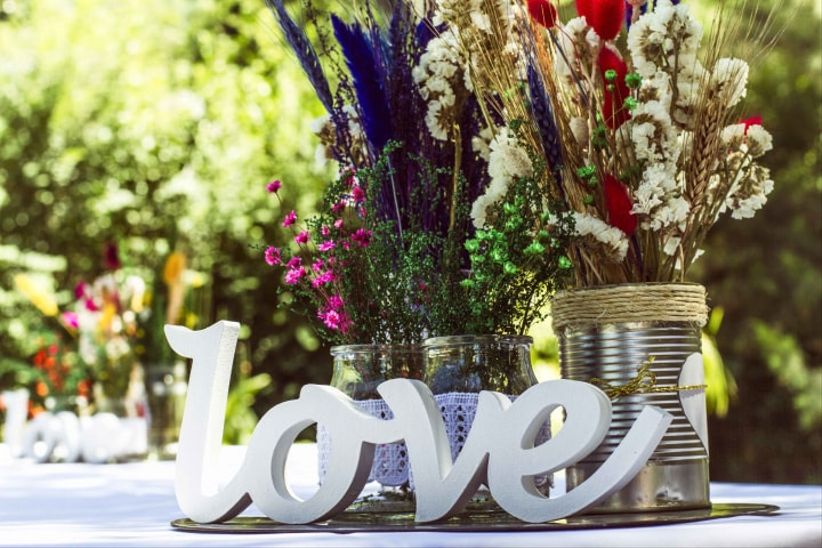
615,304
641,343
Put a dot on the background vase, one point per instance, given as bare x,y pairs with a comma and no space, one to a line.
130,409
607,333
166,387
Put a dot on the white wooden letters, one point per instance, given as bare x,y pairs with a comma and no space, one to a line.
499,450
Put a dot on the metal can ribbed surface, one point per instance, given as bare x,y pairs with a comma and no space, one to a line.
676,475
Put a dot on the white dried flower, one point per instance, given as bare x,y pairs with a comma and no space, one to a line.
438,72
507,161
733,136
729,80
614,240
759,141
665,37
575,40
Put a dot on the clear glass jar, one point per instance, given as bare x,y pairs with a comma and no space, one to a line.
472,363
458,368
358,371
360,368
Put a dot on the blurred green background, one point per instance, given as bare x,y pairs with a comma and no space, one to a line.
156,123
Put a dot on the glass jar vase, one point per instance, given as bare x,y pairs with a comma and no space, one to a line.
458,368
358,371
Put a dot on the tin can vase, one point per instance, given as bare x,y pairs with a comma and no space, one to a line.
358,371
614,335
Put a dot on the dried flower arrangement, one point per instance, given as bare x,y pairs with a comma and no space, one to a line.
642,134
393,256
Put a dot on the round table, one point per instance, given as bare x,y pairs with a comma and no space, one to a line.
132,504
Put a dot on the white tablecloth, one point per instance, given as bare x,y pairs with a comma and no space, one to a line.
132,504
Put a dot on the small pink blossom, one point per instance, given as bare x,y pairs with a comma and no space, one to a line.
331,318
325,278
335,302
325,231
337,208
318,265
294,275
338,224
273,256
274,186
91,306
302,237
294,262
346,246
290,219
71,319
362,237
80,290
327,245
334,319
357,194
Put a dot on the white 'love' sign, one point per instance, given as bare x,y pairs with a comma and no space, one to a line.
499,451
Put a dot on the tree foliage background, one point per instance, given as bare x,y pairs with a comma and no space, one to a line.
156,123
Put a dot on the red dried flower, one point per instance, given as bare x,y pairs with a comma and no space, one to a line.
752,121
605,16
614,109
619,205
543,12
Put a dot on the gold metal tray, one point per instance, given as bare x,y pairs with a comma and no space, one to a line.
369,522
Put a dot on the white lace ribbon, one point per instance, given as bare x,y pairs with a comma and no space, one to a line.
391,467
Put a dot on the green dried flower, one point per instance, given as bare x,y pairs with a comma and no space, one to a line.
586,172
510,268
610,75
564,262
535,248
633,80
472,246
499,255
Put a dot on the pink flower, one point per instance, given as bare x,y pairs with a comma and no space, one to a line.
273,256
325,231
274,186
357,194
362,237
71,319
290,219
294,275
334,319
91,306
325,278
318,265
338,224
327,245
363,212
302,237
337,208
293,263
334,302
331,318
80,290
